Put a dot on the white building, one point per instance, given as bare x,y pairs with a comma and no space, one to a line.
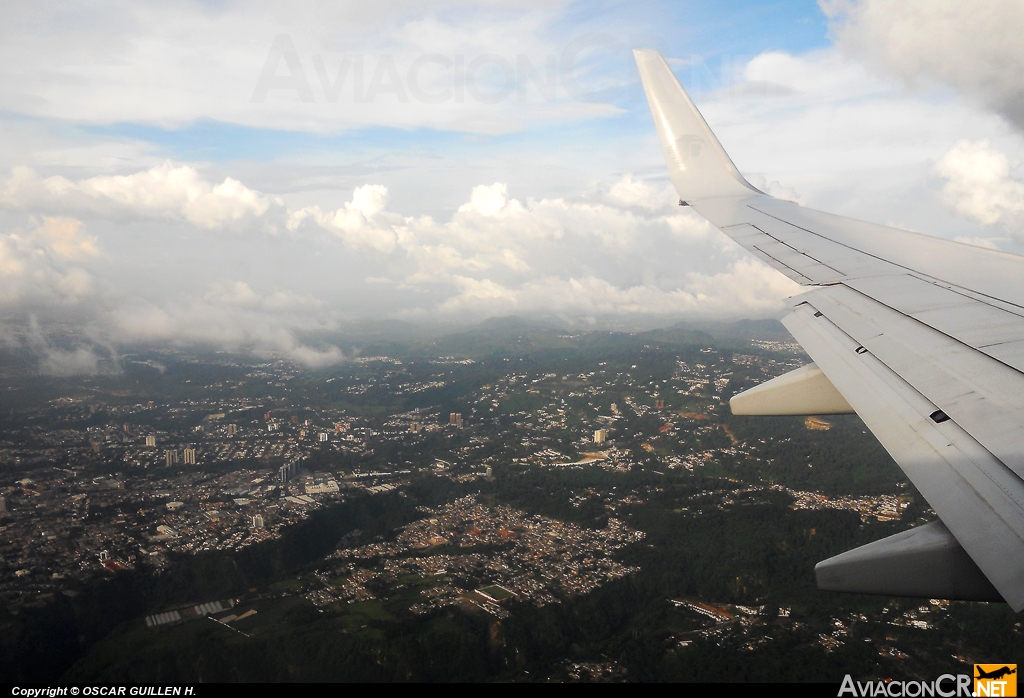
329,487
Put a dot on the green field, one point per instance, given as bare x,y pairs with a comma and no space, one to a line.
497,593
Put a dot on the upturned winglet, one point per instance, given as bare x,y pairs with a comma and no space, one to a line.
699,166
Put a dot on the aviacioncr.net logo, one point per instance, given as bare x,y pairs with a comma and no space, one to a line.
946,686
995,680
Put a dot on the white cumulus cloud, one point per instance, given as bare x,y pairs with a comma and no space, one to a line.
63,236
35,266
163,191
360,222
979,184
971,45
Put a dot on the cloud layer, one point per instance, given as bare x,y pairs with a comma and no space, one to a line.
446,64
163,191
974,47
257,176
623,248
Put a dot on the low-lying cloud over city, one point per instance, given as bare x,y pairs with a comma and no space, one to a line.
260,178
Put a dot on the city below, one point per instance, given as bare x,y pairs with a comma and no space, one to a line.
457,494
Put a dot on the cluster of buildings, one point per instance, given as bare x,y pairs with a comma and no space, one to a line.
65,528
747,628
466,552
882,507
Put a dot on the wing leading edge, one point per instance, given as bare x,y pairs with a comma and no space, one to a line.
921,337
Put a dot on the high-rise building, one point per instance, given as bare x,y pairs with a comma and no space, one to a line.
171,457
415,427
323,436
287,471
451,418
257,521
232,429
455,419
151,440
190,456
600,436
489,472
3,505
659,404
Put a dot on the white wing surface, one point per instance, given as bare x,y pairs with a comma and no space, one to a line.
922,337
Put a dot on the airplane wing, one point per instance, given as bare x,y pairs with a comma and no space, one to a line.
923,338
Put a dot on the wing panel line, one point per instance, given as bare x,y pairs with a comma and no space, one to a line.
943,465
982,394
916,272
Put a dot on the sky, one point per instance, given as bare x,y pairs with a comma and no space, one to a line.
259,176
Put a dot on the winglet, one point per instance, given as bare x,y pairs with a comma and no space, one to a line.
697,163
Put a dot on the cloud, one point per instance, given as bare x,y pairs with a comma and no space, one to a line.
360,222
300,66
163,191
233,316
236,294
620,249
637,193
979,184
490,201
403,220
63,237
492,231
310,357
76,361
747,284
34,265
492,247
972,45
